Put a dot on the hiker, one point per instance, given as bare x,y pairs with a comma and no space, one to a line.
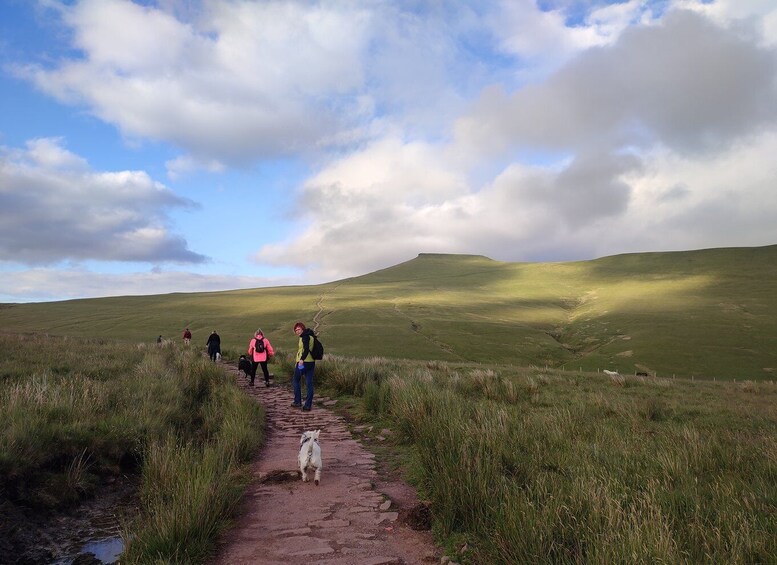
187,336
304,365
260,350
214,345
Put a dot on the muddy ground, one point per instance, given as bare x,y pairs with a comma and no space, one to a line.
34,536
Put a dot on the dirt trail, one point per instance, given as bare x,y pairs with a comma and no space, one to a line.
352,517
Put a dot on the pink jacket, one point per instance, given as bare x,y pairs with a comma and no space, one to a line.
255,355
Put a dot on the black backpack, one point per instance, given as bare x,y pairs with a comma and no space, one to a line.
318,350
259,345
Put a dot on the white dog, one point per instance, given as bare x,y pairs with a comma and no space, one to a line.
310,455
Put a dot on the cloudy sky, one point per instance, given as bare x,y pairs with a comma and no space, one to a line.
184,145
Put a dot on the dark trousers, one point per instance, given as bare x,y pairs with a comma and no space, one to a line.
306,371
265,372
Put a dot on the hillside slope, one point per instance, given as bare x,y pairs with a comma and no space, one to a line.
702,313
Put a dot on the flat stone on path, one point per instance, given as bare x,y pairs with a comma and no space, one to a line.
343,521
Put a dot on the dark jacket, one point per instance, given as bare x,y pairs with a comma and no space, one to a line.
214,343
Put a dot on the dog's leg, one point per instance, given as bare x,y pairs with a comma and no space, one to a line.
303,464
317,478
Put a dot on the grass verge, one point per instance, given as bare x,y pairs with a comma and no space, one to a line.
539,466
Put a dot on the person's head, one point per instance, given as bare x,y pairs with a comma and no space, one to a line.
299,327
259,333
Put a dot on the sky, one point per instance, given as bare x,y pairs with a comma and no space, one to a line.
150,147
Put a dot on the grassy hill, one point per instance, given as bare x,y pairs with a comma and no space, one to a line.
707,313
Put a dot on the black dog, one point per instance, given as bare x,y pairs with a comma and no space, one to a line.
245,365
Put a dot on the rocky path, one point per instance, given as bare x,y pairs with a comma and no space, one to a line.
352,517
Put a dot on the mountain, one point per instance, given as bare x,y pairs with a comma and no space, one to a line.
706,313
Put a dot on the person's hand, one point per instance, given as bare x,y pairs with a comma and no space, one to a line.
300,364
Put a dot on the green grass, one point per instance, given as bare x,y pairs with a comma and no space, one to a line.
74,412
542,466
708,314
523,464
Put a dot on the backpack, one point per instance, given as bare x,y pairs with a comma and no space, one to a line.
318,350
259,345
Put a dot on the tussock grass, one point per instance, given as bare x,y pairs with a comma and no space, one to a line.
103,408
571,469
187,490
192,477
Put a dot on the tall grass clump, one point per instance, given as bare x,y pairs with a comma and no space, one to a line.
187,490
581,471
353,377
192,476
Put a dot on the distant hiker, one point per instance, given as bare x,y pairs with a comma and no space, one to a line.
304,365
187,336
214,346
159,340
260,350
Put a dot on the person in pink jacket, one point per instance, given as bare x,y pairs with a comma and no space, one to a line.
260,350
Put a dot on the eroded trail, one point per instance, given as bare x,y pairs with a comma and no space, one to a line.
352,517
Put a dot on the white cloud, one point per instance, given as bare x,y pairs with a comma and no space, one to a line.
498,128
638,91
684,203
53,207
240,81
42,284
761,15
589,207
612,120
49,153
243,80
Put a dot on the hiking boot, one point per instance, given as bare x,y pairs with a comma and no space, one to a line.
295,405
306,408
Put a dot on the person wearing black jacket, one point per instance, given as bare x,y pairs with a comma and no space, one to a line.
214,345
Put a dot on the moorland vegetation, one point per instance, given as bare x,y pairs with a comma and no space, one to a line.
484,371
534,465
76,414
704,314
518,464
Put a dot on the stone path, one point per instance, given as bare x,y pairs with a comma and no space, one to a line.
352,517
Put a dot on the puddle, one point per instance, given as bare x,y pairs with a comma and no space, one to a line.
89,535
104,551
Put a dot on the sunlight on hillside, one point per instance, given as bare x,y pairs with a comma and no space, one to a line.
693,313
636,296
